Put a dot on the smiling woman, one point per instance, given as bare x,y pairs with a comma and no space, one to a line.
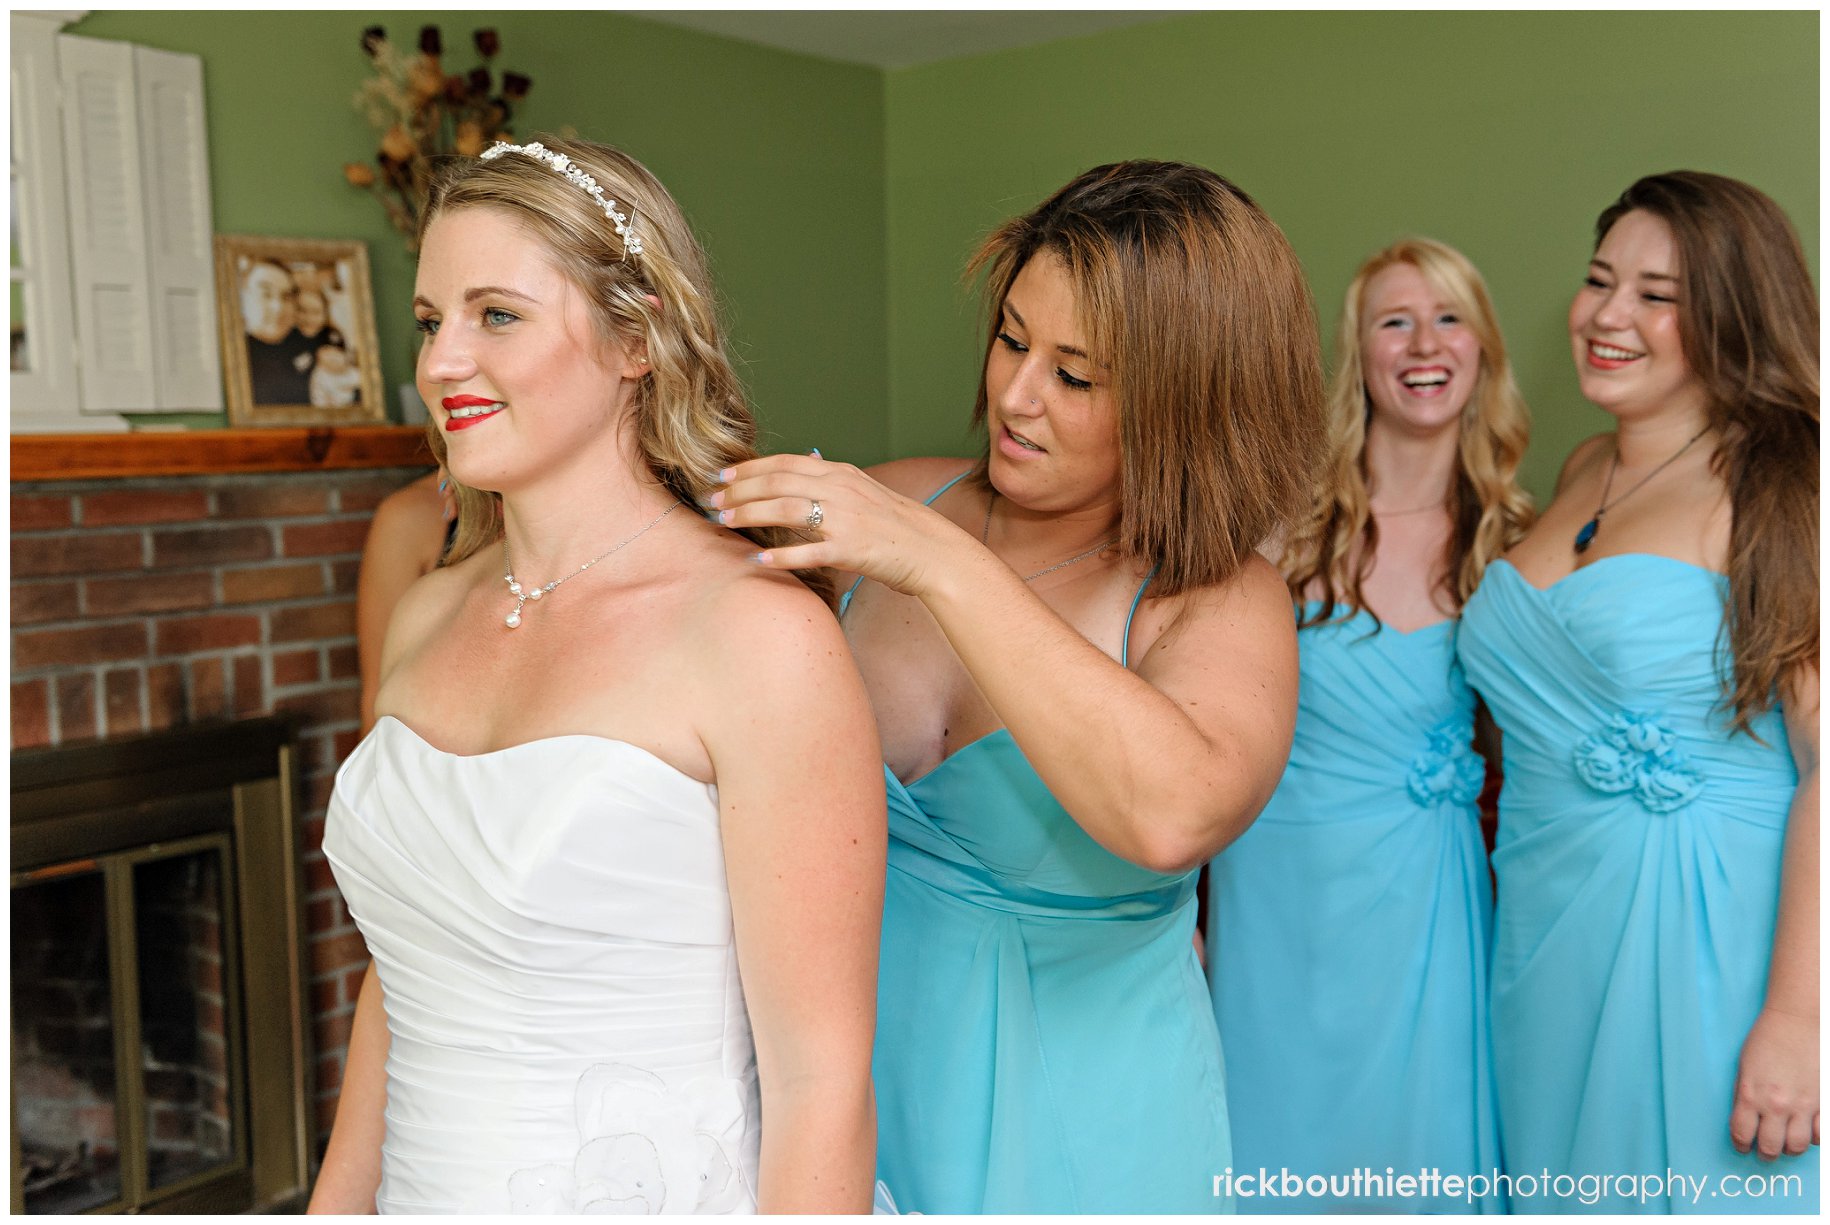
1650,653
1348,928
616,842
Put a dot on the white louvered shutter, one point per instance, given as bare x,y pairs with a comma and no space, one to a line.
43,383
108,249
176,175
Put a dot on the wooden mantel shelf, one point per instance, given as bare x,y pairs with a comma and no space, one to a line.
70,457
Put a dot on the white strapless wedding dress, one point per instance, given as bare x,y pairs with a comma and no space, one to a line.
553,936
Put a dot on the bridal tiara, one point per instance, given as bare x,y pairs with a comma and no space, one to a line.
564,165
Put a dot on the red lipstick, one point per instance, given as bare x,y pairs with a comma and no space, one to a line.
453,403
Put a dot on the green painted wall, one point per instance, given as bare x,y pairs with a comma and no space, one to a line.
839,203
1501,133
776,158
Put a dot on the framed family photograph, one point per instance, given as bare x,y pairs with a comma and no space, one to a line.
298,332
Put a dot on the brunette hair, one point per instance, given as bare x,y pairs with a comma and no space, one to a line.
1488,508
1747,320
1194,301
691,417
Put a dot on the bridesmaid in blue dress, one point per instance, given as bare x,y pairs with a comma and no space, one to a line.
1348,928
1085,680
1650,655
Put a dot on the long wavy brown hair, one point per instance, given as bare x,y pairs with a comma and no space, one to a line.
1195,302
1332,545
690,414
1747,320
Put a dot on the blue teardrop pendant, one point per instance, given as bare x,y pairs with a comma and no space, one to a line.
1587,534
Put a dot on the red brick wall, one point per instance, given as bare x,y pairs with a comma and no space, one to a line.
142,604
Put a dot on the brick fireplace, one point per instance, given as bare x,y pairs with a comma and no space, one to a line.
160,598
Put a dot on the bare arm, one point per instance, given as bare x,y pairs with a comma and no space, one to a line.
351,1173
800,789
405,541
1776,1090
1163,766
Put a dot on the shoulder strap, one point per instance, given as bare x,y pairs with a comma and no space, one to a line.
935,496
845,600
1124,650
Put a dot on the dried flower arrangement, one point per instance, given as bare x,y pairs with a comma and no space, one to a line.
422,114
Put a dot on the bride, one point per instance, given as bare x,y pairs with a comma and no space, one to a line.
622,807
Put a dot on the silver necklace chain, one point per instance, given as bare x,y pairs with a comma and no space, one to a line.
985,536
1415,510
524,594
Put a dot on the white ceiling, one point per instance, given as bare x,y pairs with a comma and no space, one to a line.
896,38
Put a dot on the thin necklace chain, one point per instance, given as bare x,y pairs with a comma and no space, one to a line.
985,536
1585,536
524,594
1614,463
1415,510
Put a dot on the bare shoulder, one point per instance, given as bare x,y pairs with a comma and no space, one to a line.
768,660
1249,612
1588,455
917,478
431,601
762,624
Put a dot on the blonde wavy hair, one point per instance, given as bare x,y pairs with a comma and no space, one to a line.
1333,543
690,415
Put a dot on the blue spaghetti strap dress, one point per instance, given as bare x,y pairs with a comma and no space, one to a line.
1348,935
1044,1038
1638,860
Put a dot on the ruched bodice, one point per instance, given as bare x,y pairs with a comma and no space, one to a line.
1638,863
1348,931
1044,1042
553,937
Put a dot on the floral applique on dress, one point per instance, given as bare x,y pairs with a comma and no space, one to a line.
1637,753
1448,770
646,1146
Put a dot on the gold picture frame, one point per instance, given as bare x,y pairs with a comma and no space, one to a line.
297,325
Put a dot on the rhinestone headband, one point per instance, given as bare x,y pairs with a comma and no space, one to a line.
564,165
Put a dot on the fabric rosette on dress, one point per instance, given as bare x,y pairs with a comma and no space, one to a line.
1348,931
1638,753
1639,854
646,1146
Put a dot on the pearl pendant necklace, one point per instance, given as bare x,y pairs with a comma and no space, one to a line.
524,594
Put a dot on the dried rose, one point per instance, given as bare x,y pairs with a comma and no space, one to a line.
358,174
487,43
424,80
515,86
456,89
373,40
429,41
469,139
398,144
479,82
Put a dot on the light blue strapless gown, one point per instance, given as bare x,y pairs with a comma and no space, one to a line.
1348,934
1638,861
1044,1039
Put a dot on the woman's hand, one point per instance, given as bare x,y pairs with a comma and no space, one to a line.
865,528
1776,1088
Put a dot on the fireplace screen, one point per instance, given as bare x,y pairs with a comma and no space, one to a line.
157,1053
92,997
